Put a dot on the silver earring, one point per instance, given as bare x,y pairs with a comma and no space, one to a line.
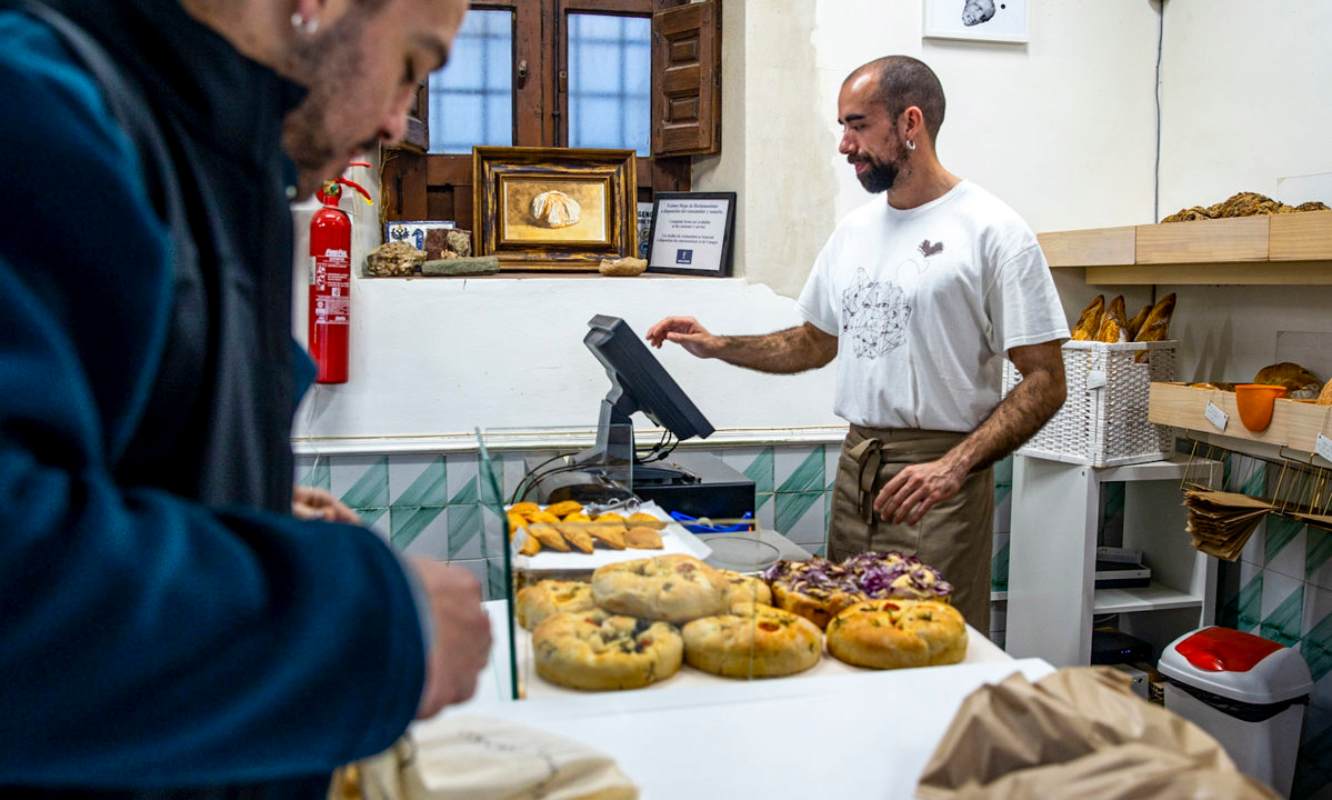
910,144
306,25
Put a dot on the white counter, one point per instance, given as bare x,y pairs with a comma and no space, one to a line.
846,733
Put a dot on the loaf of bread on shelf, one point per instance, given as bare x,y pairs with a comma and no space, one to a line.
1114,327
1156,328
1325,397
1214,385
1135,324
1300,383
1089,321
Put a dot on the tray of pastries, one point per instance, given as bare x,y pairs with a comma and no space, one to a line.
642,622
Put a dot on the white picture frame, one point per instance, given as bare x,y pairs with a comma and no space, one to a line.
1006,21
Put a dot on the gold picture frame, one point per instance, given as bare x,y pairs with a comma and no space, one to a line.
554,208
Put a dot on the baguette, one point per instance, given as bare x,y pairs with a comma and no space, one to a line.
1156,328
1089,321
1114,328
1135,324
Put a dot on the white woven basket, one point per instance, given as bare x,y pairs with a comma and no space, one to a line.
1103,422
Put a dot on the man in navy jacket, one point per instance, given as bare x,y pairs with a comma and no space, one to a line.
164,622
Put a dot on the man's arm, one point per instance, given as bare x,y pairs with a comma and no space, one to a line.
784,352
918,488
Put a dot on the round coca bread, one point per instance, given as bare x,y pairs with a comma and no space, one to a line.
548,597
741,588
893,634
818,606
597,651
674,588
753,641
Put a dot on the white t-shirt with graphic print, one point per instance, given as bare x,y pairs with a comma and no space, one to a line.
926,303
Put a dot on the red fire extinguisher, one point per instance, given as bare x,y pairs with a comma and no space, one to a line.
330,281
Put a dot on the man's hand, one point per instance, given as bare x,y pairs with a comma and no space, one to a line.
308,502
688,333
917,489
462,635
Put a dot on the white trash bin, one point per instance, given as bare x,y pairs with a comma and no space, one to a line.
1247,691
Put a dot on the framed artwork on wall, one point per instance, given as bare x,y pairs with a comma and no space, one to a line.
550,208
980,20
692,233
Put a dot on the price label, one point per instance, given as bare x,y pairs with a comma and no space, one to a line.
1216,416
1323,446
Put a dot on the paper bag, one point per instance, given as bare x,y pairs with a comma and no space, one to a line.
1077,733
475,758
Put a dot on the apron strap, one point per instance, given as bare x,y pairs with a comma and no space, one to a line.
868,456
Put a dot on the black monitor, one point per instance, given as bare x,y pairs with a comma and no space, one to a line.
639,382
611,469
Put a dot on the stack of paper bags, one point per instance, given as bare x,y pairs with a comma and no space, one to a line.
1077,733
1220,523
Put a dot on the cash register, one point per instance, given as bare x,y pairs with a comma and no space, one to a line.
615,468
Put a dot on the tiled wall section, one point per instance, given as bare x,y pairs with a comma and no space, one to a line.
429,504
1281,589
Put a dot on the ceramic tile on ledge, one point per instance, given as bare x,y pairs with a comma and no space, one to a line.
1255,548
1318,557
1283,623
417,480
465,532
755,463
798,469
360,481
799,516
419,531
314,471
462,476
767,510
1283,546
832,456
1316,642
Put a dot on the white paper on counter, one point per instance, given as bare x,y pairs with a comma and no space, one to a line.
675,540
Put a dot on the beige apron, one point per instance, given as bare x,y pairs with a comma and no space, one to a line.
955,536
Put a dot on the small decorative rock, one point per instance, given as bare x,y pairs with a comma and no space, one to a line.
623,267
394,260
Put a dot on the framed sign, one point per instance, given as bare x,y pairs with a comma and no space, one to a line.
553,208
982,20
691,233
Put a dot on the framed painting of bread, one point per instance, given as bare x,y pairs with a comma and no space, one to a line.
550,208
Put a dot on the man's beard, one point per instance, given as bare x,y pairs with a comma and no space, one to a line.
879,177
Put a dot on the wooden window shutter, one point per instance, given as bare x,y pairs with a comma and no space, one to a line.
686,80
417,137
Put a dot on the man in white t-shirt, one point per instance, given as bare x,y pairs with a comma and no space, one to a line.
922,297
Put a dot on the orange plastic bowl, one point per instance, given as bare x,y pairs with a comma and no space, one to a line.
1256,402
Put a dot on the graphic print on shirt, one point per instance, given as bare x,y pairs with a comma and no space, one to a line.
874,316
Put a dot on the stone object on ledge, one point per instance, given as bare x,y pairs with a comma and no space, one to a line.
440,241
393,260
457,267
622,267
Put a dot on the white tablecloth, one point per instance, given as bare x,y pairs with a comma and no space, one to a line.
842,733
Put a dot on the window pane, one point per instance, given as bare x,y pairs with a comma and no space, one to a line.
609,78
471,99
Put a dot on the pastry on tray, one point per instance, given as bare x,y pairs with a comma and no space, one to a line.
599,651
752,641
892,634
549,597
675,588
744,589
818,589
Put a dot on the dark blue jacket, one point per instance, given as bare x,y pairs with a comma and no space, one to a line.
158,626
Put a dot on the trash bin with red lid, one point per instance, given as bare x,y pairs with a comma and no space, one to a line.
1247,691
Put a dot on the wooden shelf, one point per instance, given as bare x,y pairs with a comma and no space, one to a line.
1295,425
1283,249
1155,597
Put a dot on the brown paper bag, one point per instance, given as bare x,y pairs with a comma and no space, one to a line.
1080,733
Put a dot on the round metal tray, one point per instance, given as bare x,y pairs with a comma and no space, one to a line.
741,553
